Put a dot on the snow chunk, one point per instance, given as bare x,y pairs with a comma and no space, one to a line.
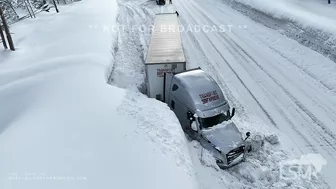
272,139
255,143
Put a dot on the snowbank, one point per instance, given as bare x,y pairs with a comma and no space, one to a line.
63,126
310,23
85,134
311,13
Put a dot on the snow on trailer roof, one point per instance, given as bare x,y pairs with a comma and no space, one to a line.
203,89
165,45
196,79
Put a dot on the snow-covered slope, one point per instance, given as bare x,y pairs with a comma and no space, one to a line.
310,22
310,13
63,126
85,134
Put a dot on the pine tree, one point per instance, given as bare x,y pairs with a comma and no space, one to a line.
6,29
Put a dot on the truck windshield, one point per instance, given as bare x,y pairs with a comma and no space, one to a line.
211,121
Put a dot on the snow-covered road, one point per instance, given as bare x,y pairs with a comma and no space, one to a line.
263,73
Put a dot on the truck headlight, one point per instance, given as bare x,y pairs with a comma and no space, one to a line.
219,161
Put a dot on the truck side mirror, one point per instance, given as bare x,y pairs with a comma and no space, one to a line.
233,112
190,116
248,134
192,121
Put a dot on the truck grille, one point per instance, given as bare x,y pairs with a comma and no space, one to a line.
233,154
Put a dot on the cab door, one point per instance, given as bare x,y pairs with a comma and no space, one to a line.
177,105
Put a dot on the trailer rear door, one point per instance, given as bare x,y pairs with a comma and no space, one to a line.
165,53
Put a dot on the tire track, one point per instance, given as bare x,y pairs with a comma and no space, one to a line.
241,81
225,88
249,183
324,103
242,54
310,145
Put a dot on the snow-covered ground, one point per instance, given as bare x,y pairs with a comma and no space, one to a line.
63,126
310,22
310,13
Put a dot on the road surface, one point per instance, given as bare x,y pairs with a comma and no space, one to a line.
267,75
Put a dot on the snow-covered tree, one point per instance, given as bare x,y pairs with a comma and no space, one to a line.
9,10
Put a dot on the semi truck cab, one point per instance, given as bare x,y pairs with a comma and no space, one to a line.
205,114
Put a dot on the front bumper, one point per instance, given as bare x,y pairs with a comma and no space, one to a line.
232,158
236,161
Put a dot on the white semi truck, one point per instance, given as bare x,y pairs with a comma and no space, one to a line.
193,95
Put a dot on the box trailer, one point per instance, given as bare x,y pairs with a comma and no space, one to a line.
165,54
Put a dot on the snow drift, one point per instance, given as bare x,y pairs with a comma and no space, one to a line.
309,13
311,22
63,126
